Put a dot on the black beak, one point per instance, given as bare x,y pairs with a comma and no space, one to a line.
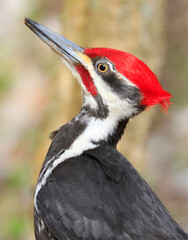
65,48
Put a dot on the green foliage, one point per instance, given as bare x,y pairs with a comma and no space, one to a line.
16,226
17,178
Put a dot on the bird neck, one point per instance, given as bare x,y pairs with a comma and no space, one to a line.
87,131
98,131
115,133
84,132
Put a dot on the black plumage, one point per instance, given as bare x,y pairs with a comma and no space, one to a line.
99,195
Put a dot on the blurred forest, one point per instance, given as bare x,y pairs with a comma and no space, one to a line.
38,94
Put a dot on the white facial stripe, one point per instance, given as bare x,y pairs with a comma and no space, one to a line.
111,99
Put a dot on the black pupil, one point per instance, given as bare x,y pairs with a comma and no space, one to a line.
102,67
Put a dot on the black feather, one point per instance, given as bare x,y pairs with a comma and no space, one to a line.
100,196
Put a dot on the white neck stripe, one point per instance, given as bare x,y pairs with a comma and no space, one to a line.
96,130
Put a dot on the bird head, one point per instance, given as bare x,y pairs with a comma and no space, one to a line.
111,80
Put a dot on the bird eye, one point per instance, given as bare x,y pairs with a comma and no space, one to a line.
102,67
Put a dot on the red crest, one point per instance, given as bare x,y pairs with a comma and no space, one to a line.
138,73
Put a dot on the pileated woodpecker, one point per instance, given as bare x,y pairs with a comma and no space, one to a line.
86,189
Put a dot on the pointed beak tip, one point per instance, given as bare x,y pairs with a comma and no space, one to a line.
30,23
26,21
58,43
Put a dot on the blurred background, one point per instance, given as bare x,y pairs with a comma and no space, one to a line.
37,95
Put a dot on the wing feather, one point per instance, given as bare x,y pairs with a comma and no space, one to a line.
100,196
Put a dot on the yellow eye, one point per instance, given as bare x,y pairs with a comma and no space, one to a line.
102,67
